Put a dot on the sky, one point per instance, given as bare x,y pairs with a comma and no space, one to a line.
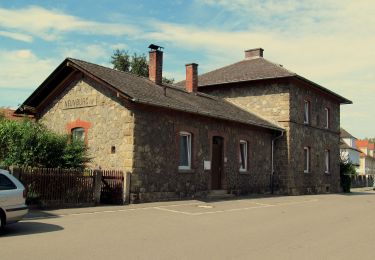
331,42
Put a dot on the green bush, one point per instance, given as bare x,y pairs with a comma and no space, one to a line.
26,143
347,169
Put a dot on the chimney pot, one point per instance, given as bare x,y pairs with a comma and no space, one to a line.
191,83
254,53
155,66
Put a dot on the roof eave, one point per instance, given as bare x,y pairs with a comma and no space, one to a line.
341,99
38,90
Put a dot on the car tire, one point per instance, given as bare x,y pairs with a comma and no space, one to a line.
2,221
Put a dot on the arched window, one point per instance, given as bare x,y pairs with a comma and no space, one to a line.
78,134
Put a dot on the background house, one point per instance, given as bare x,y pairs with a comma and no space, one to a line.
367,159
348,148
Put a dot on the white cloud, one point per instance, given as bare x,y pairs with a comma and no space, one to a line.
90,52
23,69
17,36
49,24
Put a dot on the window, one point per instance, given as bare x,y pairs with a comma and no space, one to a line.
78,134
243,156
6,184
326,110
327,160
306,119
306,159
185,151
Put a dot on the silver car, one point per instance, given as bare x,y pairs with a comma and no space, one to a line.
12,199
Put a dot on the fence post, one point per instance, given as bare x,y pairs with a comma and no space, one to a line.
97,185
15,171
126,188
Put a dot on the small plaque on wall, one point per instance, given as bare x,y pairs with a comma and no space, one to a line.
80,101
207,165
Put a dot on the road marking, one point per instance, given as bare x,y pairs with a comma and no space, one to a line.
174,211
165,208
260,205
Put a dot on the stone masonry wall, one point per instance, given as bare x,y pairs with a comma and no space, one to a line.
109,123
272,101
284,103
156,175
318,138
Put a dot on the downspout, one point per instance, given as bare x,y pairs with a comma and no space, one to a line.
272,158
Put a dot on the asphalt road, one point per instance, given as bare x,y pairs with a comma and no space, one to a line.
296,227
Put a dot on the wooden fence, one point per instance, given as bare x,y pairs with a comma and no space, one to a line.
71,187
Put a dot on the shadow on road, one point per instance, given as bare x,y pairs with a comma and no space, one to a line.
29,228
356,193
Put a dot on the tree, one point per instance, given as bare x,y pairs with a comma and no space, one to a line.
371,140
26,143
121,60
137,64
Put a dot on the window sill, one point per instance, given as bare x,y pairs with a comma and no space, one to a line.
327,173
186,170
244,172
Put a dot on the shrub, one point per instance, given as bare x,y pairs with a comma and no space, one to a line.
26,143
347,169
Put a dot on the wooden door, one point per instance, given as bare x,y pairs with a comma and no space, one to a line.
217,162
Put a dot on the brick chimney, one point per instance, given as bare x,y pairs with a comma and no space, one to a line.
254,53
191,83
155,66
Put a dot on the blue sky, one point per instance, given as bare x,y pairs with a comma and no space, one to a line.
331,42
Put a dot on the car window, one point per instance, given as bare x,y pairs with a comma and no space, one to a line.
6,184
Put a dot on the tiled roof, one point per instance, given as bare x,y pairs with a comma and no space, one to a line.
245,70
142,90
345,146
362,143
250,70
345,134
10,114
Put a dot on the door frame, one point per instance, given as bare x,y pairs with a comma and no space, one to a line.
222,172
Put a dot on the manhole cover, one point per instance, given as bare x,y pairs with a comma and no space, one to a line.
205,206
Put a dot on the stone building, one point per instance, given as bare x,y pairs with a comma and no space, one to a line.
250,127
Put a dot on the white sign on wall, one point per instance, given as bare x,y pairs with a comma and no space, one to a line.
207,165
80,101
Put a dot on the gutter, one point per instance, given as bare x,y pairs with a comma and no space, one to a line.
272,159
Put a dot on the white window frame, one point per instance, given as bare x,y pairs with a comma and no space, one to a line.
326,109
306,111
306,148
80,129
188,135
245,155
327,160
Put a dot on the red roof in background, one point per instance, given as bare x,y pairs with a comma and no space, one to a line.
365,144
9,114
361,143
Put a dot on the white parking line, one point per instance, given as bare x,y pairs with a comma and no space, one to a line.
166,208
174,211
260,205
